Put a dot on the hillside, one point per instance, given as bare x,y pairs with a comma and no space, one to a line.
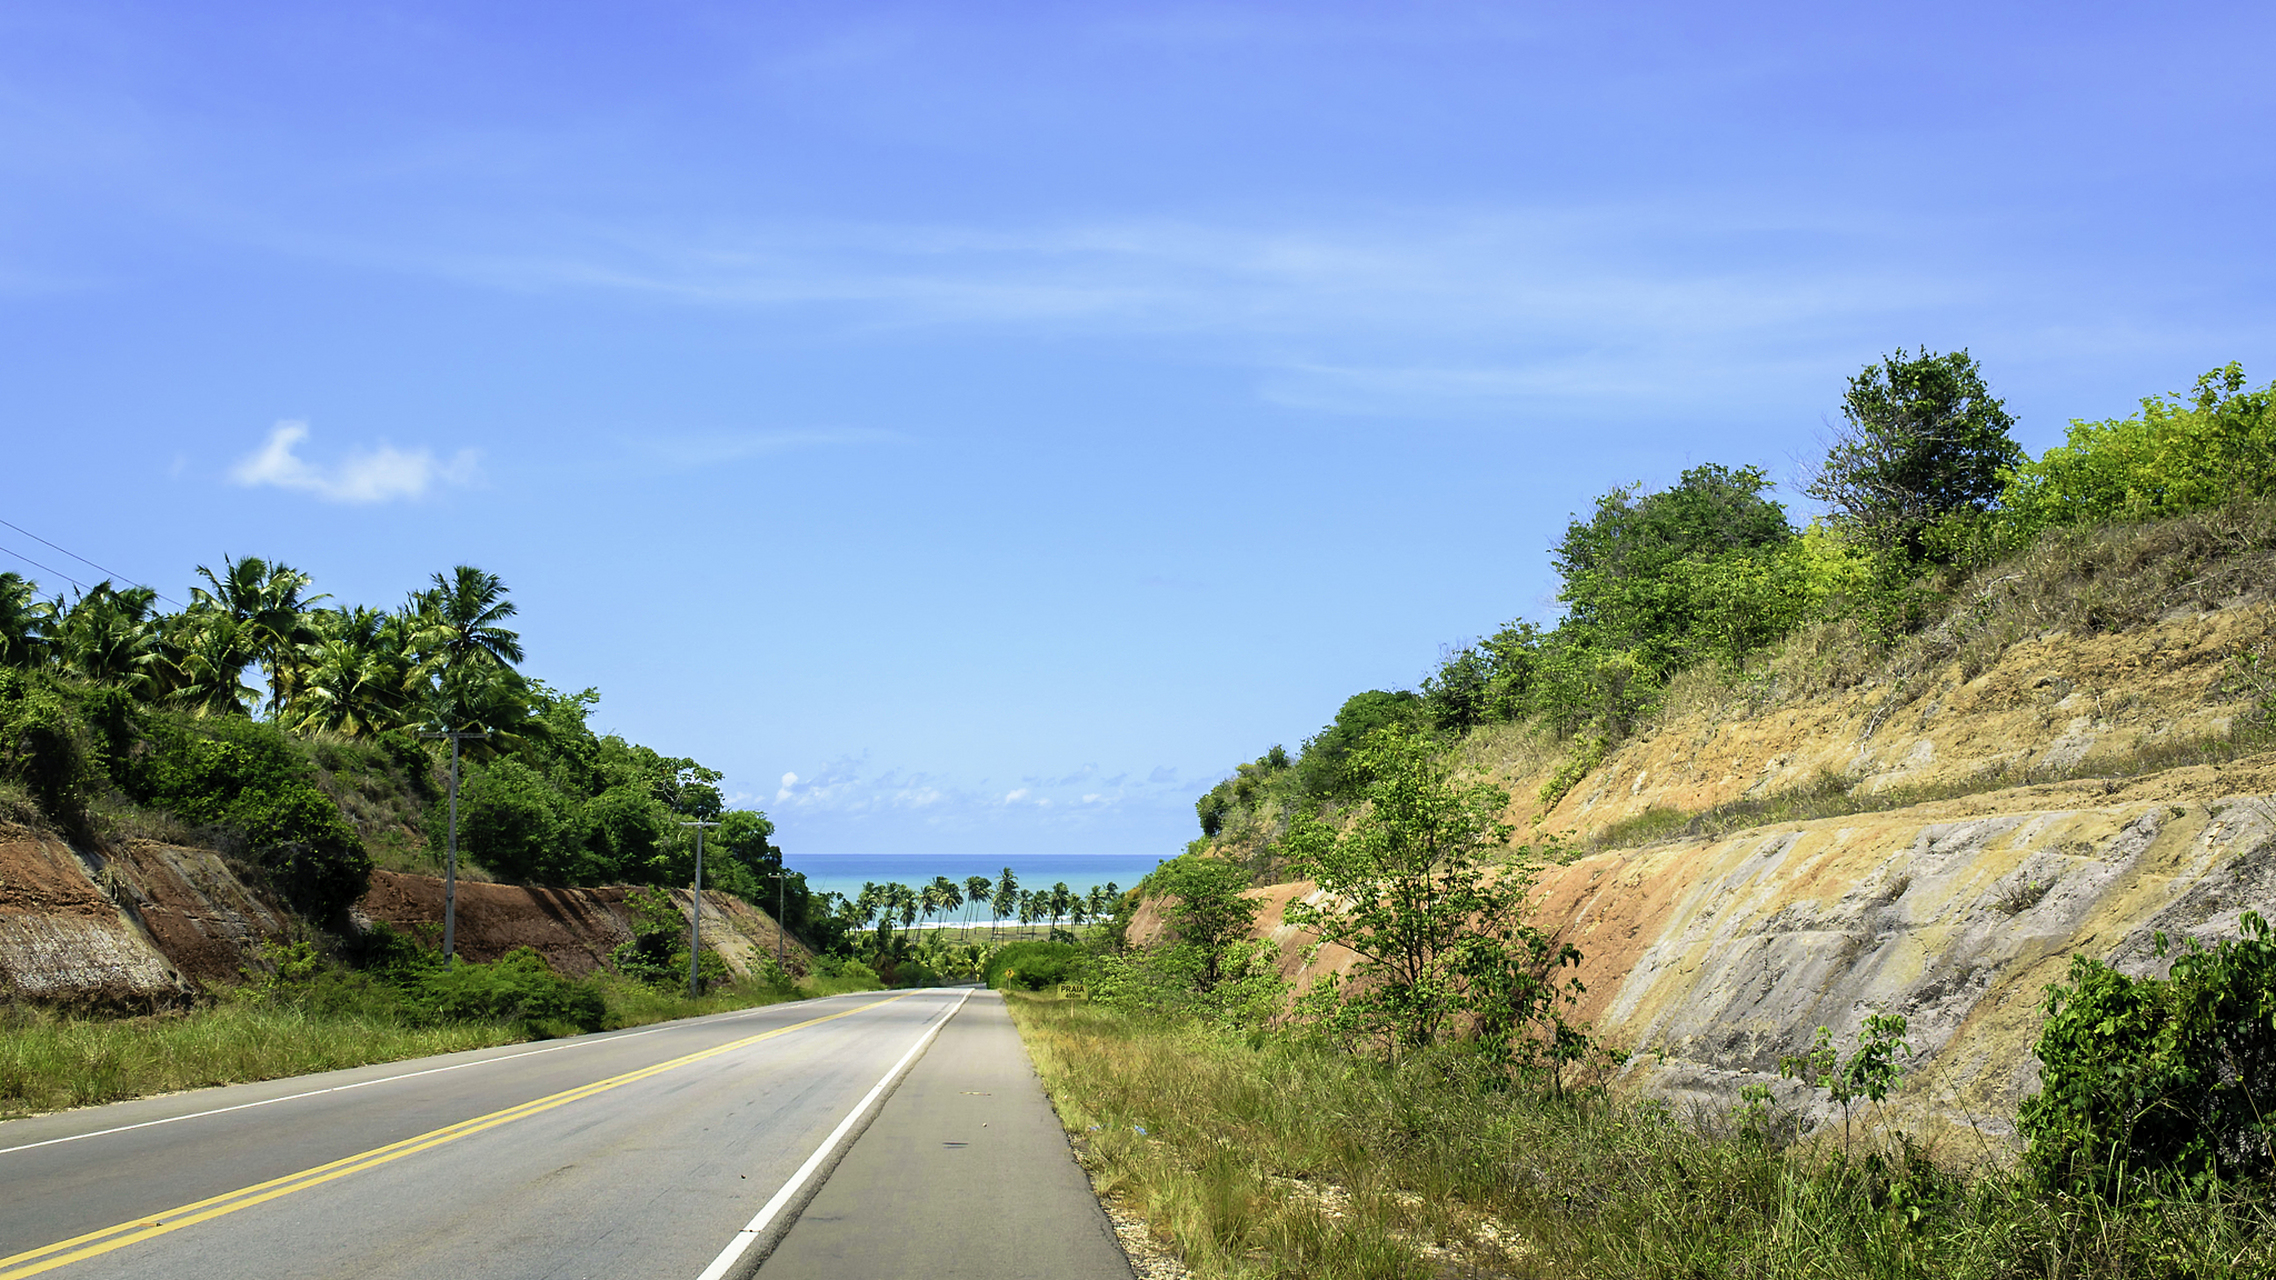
144,925
2072,761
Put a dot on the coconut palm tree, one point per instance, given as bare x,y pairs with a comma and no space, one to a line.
267,601
468,605
945,893
976,891
22,618
202,666
1007,897
110,637
1061,898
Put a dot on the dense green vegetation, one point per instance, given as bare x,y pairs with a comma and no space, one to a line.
288,731
1925,491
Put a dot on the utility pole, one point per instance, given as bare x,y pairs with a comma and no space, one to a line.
778,924
695,916
450,864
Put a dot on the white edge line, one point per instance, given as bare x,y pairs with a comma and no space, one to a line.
751,1234
578,1043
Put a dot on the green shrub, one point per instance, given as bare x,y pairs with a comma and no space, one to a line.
657,953
249,780
47,746
2144,1075
519,988
1036,966
2176,456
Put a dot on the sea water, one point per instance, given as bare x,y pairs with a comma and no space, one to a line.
846,872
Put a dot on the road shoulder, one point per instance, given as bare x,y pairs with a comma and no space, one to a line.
966,1172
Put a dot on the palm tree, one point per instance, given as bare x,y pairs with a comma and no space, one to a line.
946,893
469,604
203,664
265,600
907,900
110,637
1096,901
976,890
1007,897
1061,897
22,618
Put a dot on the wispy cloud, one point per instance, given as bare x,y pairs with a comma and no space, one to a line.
381,474
1420,311
686,452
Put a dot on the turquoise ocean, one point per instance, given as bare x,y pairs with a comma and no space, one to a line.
845,873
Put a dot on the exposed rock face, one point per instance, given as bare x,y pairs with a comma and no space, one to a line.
2048,706
1707,959
148,925
69,930
574,929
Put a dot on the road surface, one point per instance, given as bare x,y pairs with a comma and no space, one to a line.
682,1150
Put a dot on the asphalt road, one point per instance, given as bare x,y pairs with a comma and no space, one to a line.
630,1154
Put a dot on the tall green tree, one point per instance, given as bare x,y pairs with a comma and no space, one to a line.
468,604
110,636
21,618
1415,886
1922,438
1006,901
1205,903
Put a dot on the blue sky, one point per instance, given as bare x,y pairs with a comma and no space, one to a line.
975,427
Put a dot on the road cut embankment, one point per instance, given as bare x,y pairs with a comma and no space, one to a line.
139,925
1706,960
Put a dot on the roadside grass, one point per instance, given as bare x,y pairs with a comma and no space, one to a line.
51,1060
1261,1156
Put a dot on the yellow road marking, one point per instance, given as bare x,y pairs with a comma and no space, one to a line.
79,1248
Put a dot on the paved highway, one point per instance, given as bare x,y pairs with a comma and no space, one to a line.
679,1150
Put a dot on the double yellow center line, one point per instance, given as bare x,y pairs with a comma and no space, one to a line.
79,1248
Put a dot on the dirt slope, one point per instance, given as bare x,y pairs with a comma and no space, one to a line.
574,929
2051,705
1706,959
148,925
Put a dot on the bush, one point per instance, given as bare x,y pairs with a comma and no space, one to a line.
2175,457
1036,966
408,984
2142,1075
657,954
519,988
249,780
46,745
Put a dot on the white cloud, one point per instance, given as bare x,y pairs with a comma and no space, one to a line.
1014,797
383,474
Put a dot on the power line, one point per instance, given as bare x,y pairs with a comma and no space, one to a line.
113,574
43,568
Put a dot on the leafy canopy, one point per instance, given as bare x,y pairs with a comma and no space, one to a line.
1922,438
